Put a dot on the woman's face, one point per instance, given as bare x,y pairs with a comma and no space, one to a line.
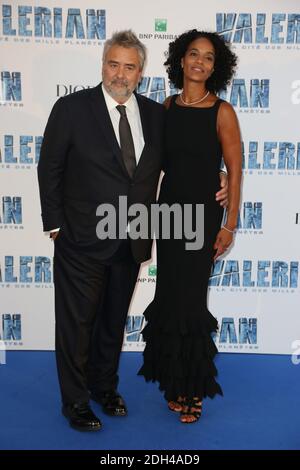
198,61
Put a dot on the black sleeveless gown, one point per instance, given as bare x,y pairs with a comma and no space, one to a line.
179,348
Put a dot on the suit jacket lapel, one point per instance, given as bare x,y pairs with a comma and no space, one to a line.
102,116
146,131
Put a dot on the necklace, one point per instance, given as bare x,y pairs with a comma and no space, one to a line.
194,102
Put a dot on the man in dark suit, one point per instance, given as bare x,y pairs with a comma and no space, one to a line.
83,164
99,144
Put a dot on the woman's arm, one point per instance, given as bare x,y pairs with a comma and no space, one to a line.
230,138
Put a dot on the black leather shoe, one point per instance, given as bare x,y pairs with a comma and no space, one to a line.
81,417
112,403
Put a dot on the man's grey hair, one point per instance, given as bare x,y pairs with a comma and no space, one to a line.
128,39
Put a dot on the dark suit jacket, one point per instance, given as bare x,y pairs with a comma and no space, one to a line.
81,166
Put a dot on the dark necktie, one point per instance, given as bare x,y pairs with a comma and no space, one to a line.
126,141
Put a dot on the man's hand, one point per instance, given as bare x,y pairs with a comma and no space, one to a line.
222,195
53,235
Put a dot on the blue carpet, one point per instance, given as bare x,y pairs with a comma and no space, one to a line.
259,410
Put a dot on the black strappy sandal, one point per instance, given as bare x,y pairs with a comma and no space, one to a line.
176,405
194,404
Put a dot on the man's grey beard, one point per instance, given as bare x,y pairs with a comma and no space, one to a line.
124,92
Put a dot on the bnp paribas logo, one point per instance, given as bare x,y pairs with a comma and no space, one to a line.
160,24
152,270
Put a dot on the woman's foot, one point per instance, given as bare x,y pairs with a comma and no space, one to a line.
176,405
191,411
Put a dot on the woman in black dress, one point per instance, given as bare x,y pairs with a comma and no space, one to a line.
200,129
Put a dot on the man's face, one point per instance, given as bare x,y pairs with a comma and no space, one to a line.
121,72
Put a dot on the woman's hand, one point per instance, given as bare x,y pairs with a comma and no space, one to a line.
222,194
223,242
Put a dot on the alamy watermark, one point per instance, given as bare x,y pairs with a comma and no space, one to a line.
164,221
